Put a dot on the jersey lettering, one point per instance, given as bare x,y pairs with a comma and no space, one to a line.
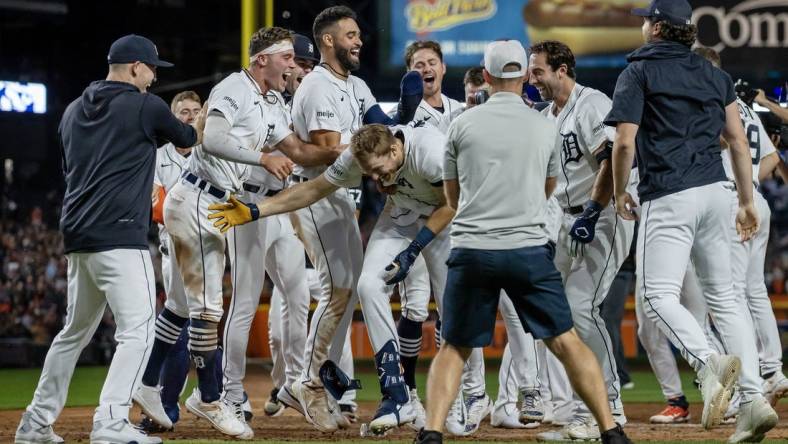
570,149
361,109
754,140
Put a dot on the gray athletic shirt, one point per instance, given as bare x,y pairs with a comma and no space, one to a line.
501,152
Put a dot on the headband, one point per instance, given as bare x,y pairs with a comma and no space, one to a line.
280,46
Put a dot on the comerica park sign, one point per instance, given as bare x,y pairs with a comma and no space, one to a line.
748,24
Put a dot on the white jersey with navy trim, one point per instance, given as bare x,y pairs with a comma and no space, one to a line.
582,132
440,120
325,102
278,120
242,103
420,173
170,164
758,139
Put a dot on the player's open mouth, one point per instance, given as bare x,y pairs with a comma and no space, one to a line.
429,79
286,75
355,52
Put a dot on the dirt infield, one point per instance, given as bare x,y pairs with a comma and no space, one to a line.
75,423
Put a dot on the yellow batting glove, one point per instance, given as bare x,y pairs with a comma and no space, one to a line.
232,213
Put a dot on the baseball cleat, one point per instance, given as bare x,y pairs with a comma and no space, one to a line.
218,413
285,396
391,415
418,407
113,431
499,418
756,417
672,414
238,410
733,410
150,426
149,400
247,406
458,417
716,383
30,432
549,412
315,406
580,428
478,407
531,407
343,422
775,387
274,407
349,412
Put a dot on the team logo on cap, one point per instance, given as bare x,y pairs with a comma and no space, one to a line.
439,15
311,48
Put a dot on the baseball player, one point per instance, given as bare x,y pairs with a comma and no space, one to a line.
286,356
239,125
686,200
659,353
747,262
497,247
473,404
170,163
412,221
329,105
108,146
593,241
268,246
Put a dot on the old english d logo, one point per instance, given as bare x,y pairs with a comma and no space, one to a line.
570,151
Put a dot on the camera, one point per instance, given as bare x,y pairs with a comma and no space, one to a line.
479,97
745,91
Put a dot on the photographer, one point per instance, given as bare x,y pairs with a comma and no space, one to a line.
774,107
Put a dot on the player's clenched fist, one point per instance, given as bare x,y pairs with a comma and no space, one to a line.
231,213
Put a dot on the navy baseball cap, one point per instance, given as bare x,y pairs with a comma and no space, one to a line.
676,12
303,48
135,48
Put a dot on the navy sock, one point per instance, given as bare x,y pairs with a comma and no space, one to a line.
392,384
168,328
219,369
203,343
679,401
175,371
409,347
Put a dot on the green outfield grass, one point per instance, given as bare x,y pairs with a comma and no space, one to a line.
87,381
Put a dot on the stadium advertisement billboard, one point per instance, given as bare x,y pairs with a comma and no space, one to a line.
600,32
